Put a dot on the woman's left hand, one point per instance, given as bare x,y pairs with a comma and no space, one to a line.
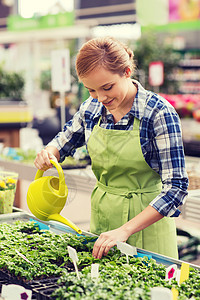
107,240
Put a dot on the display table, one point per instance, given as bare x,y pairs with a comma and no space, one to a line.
42,287
59,228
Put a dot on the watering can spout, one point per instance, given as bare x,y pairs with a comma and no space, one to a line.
59,218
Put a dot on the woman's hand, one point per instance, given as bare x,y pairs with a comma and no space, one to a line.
107,240
42,160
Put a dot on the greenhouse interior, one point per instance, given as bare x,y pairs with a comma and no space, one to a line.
84,84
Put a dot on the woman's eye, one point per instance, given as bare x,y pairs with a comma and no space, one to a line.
108,88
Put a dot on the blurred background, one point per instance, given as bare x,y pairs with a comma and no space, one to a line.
34,102
164,35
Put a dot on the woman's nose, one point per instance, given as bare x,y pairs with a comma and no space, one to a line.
102,97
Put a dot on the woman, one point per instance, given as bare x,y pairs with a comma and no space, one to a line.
134,140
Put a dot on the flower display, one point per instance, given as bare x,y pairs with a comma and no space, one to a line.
186,105
8,183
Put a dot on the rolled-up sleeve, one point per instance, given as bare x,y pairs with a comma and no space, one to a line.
169,153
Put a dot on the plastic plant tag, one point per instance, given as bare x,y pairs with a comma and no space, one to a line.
95,271
24,257
74,258
161,293
174,293
184,272
14,291
178,274
126,249
170,272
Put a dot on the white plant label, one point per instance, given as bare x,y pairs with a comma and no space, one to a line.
72,254
178,274
15,291
74,258
95,271
161,293
171,272
126,249
24,257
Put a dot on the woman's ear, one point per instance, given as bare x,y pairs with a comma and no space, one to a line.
128,72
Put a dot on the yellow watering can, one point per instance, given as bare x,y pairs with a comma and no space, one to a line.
47,196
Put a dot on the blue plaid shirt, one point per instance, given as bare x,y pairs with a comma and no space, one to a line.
160,138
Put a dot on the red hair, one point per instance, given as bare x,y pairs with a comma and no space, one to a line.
104,52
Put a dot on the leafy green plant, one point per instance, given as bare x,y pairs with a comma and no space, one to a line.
46,251
48,256
119,280
11,85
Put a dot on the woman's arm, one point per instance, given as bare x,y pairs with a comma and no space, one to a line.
109,239
169,161
65,142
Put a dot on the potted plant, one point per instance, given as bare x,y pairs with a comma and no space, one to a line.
8,182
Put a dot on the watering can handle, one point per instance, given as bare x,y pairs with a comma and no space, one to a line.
61,177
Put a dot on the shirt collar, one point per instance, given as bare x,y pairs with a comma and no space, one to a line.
138,106
139,102
99,110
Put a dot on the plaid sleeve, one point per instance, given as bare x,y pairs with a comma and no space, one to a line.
72,136
169,152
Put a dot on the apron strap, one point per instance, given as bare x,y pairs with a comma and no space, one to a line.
99,121
136,124
128,193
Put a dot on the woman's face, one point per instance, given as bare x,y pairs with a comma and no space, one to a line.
112,90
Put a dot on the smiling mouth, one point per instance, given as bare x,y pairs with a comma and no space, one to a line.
108,103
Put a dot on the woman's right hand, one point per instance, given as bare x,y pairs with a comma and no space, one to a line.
42,160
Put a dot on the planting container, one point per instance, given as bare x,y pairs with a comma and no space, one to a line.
42,289
8,184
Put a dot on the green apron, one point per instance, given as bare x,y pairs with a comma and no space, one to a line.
126,184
